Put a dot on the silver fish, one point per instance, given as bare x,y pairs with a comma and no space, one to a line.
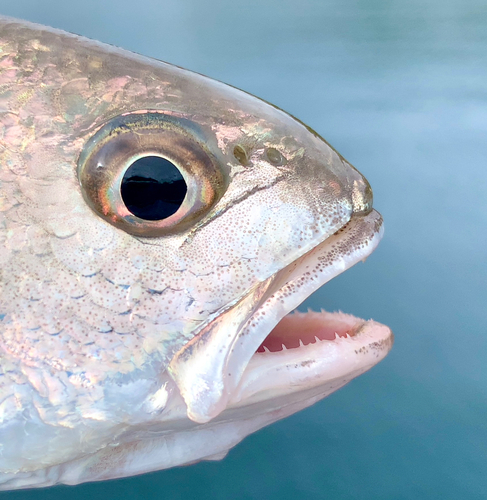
155,227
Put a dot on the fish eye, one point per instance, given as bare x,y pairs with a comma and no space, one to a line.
150,174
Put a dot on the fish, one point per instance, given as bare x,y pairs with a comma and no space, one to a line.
158,228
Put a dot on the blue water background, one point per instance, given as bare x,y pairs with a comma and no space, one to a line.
400,89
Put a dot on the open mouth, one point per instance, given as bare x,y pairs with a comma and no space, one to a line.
256,350
302,329
321,350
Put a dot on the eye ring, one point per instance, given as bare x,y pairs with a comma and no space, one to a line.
128,138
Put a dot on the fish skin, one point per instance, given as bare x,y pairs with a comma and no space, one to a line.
96,322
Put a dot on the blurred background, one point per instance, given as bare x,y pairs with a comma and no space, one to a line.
400,89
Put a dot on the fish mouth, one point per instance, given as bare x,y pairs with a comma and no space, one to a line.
322,350
269,354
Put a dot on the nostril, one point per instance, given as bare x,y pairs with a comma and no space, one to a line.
362,197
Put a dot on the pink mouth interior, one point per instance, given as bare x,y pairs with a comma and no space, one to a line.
306,327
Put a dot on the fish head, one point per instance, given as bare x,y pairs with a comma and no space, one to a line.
127,315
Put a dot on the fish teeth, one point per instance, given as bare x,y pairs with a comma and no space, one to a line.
317,339
266,349
301,343
284,348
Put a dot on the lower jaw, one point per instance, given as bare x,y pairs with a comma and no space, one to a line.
312,369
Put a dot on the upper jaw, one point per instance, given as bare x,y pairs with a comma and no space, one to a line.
256,314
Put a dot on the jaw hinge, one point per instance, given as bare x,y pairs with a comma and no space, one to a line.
200,367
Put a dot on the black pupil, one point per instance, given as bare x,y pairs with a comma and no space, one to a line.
153,188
